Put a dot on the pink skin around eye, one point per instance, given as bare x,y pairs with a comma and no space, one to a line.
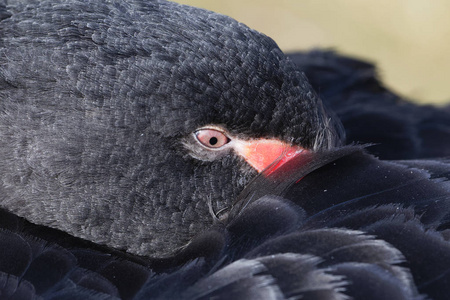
211,138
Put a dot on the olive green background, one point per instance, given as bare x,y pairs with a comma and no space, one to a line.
409,40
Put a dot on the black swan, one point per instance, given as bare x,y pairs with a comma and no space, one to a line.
151,150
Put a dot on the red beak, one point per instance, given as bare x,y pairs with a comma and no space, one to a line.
264,153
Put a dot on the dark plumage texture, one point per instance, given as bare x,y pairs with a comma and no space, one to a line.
98,97
97,104
382,238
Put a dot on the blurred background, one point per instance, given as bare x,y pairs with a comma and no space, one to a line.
409,40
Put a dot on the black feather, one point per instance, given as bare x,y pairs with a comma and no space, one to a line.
371,113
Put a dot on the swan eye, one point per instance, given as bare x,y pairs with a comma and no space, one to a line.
211,138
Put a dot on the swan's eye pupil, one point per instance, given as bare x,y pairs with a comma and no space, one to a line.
213,141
